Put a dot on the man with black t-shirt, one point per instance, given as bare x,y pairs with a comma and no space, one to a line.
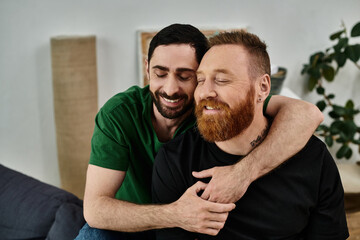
301,199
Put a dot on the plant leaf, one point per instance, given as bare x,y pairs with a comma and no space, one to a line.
349,104
356,48
339,110
340,59
352,53
334,115
355,111
335,127
321,105
336,35
343,42
322,127
348,154
328,72
306,68
347,129
343,151
312,83
355,31
320,90
331,96
350,128
341,139
315,72
329,140
315,58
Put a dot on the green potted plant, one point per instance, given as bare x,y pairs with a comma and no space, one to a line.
324,66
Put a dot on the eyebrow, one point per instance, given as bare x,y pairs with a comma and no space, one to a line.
177,70
220,70
185,70
160,67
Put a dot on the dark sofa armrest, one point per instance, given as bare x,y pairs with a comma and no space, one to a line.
30,209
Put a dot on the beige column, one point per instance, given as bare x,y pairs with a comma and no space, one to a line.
76,104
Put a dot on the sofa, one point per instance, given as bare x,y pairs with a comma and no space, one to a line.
31,209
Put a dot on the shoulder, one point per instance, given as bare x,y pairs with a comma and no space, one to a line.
132,97
316,162
126,111
315,149
310,161
133,104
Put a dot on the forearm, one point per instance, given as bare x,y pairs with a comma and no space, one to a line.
112,214
291,128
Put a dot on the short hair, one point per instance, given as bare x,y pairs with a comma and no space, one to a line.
180,34
259,58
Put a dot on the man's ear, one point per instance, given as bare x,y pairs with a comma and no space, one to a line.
264,87
147,69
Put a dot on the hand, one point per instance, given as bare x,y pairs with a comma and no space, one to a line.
227,185
195,214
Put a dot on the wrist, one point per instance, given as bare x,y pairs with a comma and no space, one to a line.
249,167
169,215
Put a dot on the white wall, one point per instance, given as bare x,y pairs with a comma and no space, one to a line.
293,30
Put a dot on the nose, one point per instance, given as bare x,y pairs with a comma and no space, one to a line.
206,90
171,85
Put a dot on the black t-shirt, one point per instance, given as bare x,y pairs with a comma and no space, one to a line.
301,199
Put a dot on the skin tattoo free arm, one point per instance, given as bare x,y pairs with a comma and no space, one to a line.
102,210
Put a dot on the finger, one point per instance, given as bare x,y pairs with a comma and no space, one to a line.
220,207
210,231
197,187
203,174
206,194
215,225
218,217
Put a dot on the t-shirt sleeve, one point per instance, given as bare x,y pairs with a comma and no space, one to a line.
108,146
327,220
266,103
167,187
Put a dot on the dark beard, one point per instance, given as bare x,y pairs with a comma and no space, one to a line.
228,124
168,112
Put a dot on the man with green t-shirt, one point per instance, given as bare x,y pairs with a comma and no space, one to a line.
132,126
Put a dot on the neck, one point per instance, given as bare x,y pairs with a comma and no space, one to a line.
249,139
165,128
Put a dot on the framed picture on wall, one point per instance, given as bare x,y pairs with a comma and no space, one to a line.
144,38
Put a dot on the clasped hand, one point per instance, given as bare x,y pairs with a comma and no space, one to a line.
227,185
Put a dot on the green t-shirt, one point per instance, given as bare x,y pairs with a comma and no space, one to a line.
124,139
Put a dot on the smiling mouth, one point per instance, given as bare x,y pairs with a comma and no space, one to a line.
211,108
171,100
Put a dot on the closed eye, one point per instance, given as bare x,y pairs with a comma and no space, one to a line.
221,81
184,78
200,80
160,75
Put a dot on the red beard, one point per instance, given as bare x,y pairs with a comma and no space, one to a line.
227,124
